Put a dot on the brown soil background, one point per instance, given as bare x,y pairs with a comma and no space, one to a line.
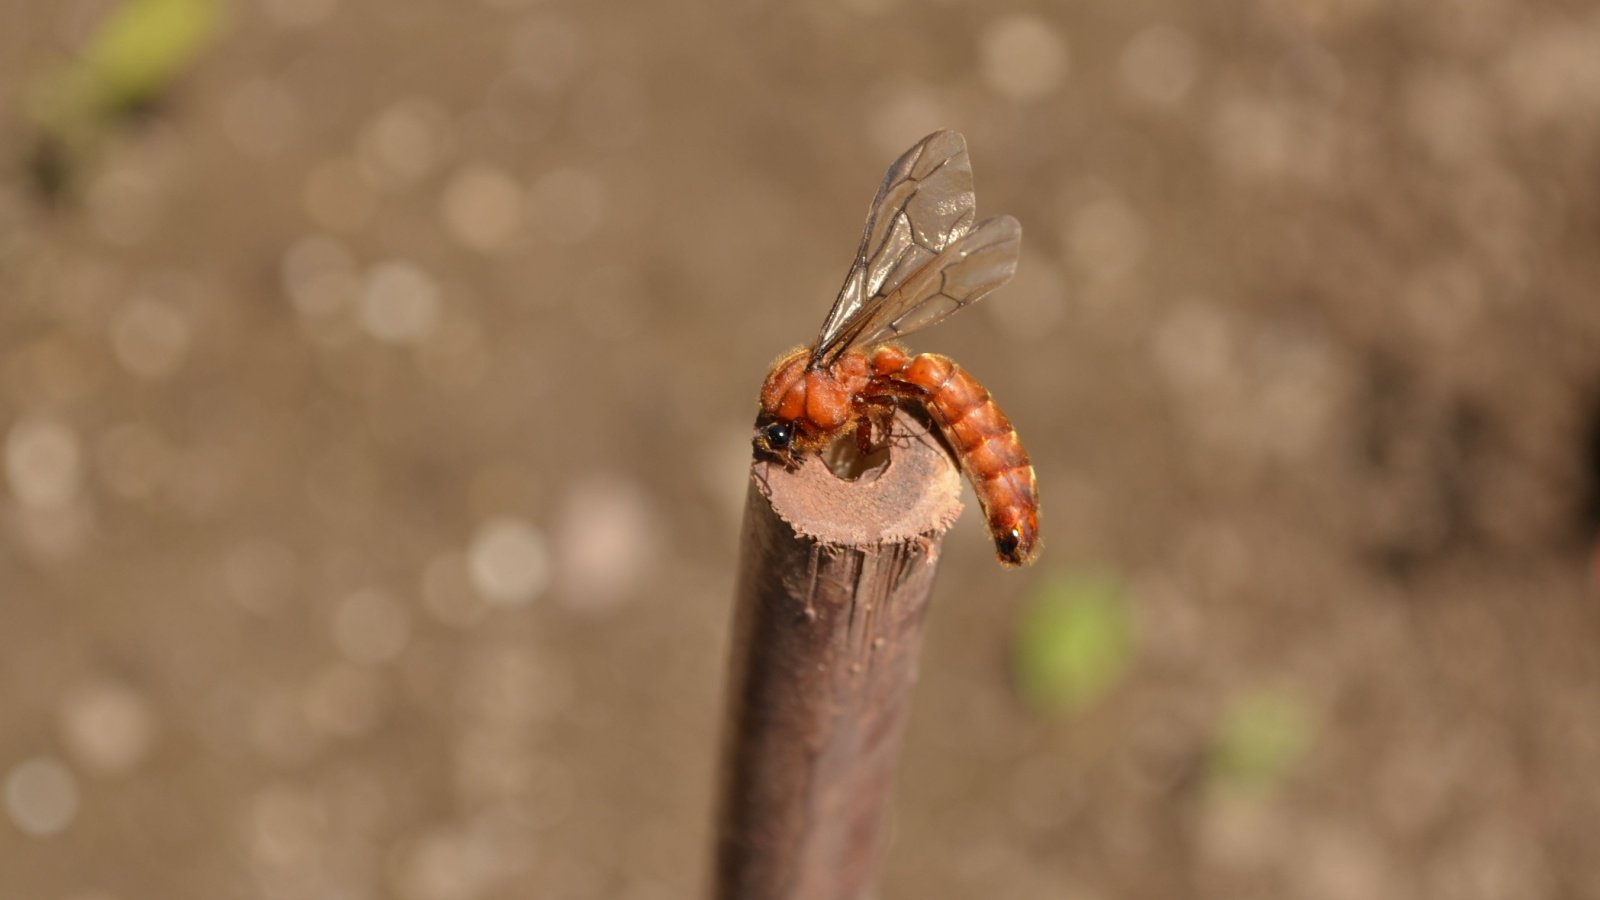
376,410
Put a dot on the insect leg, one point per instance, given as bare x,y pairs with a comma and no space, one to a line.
876,411
893,394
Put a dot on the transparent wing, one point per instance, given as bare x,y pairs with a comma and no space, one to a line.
977,263
924,205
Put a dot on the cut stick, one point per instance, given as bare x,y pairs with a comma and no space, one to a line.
833,586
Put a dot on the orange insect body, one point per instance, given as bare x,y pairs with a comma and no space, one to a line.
984,442
858,393
923,257
820,401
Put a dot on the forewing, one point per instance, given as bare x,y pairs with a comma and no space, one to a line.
923,206
979,262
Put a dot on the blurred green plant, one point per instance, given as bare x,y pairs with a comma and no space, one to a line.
130,61
1263,736
1074,642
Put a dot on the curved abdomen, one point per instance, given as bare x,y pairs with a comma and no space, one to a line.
985,444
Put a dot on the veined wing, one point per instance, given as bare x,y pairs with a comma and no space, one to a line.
977,263
924,205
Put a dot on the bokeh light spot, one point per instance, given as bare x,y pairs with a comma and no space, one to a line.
109,727
41,796
150,337
1023,57
370,627
1159,65
482,206
509,561
43,463
400,304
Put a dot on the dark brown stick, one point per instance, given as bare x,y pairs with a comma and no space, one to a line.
833,585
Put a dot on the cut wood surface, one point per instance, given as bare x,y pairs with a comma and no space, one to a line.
833,587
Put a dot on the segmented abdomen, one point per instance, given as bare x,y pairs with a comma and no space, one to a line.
985,444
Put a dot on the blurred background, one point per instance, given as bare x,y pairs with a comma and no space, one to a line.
375,391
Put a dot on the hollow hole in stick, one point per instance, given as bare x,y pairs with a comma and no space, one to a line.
847,462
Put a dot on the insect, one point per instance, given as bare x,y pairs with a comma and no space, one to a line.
923,256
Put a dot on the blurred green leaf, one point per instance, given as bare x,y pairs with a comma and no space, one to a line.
1074,642
1264,735
132,58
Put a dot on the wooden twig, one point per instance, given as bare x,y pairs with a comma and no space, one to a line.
833,585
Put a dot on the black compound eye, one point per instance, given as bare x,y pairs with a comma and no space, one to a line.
778,435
